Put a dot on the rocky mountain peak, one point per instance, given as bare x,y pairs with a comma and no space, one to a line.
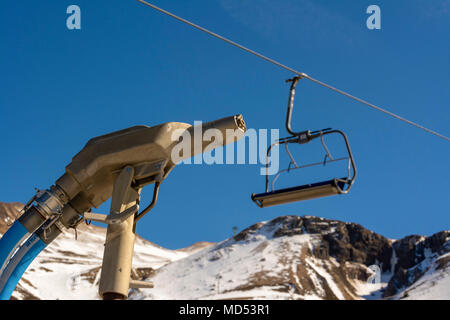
340,240
407,259
415,256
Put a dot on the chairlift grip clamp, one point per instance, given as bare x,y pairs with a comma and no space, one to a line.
304,137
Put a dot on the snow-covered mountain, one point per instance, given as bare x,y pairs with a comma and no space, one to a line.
290,257
309,258
70,268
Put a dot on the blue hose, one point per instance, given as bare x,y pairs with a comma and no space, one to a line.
10,241
18,264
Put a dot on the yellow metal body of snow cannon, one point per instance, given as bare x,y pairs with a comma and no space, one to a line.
117,166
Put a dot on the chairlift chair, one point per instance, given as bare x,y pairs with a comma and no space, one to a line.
273,197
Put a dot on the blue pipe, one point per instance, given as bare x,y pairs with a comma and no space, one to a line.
18,264
10,241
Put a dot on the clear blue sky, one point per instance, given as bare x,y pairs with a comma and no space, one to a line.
130,65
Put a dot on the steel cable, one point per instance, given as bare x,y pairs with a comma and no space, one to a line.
301,74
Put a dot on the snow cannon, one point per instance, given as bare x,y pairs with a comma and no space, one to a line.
117,166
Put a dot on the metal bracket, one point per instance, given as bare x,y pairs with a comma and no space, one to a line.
108,219
139,284
122,192
126,187
97,217
116,218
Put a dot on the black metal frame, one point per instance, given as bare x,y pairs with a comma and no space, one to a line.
304,137
141,214
348,181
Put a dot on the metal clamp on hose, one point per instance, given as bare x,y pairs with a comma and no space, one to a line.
48,203
43,205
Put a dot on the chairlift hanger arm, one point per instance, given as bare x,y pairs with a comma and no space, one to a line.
303,136
294,82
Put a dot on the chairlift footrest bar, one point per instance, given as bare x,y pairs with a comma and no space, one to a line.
301,193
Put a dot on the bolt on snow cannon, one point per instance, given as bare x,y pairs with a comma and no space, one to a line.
117,166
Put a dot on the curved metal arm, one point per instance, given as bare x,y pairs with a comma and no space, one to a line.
351,180
291,107
140,215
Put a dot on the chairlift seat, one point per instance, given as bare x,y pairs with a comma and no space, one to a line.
310,191
300,193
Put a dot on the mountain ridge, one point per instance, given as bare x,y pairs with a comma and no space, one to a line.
296,257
